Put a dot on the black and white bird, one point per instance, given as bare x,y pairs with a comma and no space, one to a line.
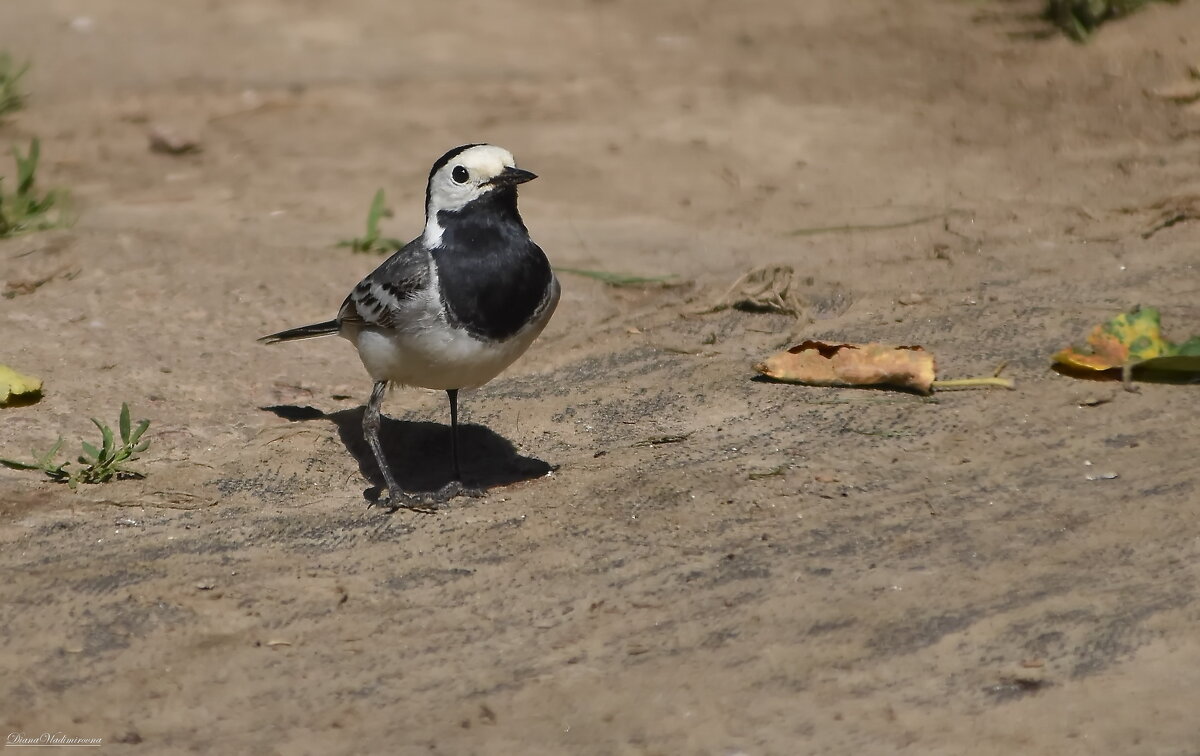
455,306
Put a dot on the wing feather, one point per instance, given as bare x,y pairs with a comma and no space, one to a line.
383,298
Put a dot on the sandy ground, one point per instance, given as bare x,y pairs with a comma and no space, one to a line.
807,571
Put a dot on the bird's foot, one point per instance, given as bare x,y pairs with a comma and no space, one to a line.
427,502
396,500
450,490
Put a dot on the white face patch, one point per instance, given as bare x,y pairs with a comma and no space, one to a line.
460,181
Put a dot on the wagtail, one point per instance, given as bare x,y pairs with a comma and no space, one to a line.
455,306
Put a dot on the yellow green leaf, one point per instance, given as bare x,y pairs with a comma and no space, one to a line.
1140,332
1175,363
16,388
1132,340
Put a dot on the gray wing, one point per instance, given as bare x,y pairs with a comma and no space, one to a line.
385,297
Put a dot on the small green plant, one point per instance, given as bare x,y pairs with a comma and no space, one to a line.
11,97
24,211
99,464
1079,18
372,241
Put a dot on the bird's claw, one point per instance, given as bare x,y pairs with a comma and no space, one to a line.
441,497
396,500
457,488
428,502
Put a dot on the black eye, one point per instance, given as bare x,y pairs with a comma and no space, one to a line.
460,174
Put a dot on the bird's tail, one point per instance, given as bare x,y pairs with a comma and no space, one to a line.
303,332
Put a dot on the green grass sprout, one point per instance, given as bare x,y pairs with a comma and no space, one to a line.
617,279
45,462
1079,18
24,210
98,464
11,97
373,241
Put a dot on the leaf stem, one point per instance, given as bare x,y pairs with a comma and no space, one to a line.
989,381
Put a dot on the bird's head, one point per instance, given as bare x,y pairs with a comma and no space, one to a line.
464,174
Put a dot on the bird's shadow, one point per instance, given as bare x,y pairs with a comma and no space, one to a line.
419,452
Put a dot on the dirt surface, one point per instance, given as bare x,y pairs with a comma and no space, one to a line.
799,571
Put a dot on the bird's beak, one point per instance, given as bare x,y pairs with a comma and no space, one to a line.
512,176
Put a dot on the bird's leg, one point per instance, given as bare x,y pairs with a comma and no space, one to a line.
396,498
455,487
452,395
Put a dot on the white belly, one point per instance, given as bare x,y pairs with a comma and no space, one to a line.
431,354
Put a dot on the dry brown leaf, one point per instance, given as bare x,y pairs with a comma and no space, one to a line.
820,363
768,288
